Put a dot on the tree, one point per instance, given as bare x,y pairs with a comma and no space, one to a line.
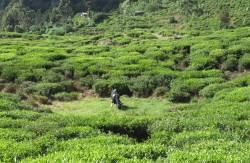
17,15
188,7
4,3
89,6
65,9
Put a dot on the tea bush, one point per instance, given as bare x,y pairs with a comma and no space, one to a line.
10,74
64,96
244,62
141,86
102,88
48,89
238,95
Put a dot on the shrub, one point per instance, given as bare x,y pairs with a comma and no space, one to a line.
154,53
210,90
123,40
230,64
102,88
5,105
172,20
10,74
54,57
11,88
152,7
35,28
52,77
220,95
160,91
178,96
19,29
41,99
56,31
199,61
120,85
244,62
48,89
238,95
26,76
218,54
64,96
86,81
142,86
99,17
43,109
135,32
27,87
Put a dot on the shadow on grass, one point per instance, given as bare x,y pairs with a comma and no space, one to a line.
124,107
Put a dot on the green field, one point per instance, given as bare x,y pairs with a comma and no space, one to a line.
185,100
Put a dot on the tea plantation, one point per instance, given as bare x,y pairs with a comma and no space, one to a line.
186,99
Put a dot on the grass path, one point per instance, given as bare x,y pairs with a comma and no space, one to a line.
132,106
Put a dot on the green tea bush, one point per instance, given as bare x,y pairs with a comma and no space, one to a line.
230,64
120,85
56,32
13,123
238,50
86,81
102,88
64,96
210,90
74,132
122,40
221,94
238,95
26,76
48,89
170,124
142,86
43,109
182,90
201,61
148,36
10,97
207,46
94,49
41,99
160,91
128,59
176,95
21,114
135,32
17,135
10,74
136,48
16,150
52,77
5,105
244,62
218,54
154,53
27,87
39,73
54,57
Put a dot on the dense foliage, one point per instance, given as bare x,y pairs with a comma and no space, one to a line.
188,61
41,16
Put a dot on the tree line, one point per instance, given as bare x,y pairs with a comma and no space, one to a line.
30,15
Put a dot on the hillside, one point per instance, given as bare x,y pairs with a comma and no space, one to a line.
31,16
181,68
